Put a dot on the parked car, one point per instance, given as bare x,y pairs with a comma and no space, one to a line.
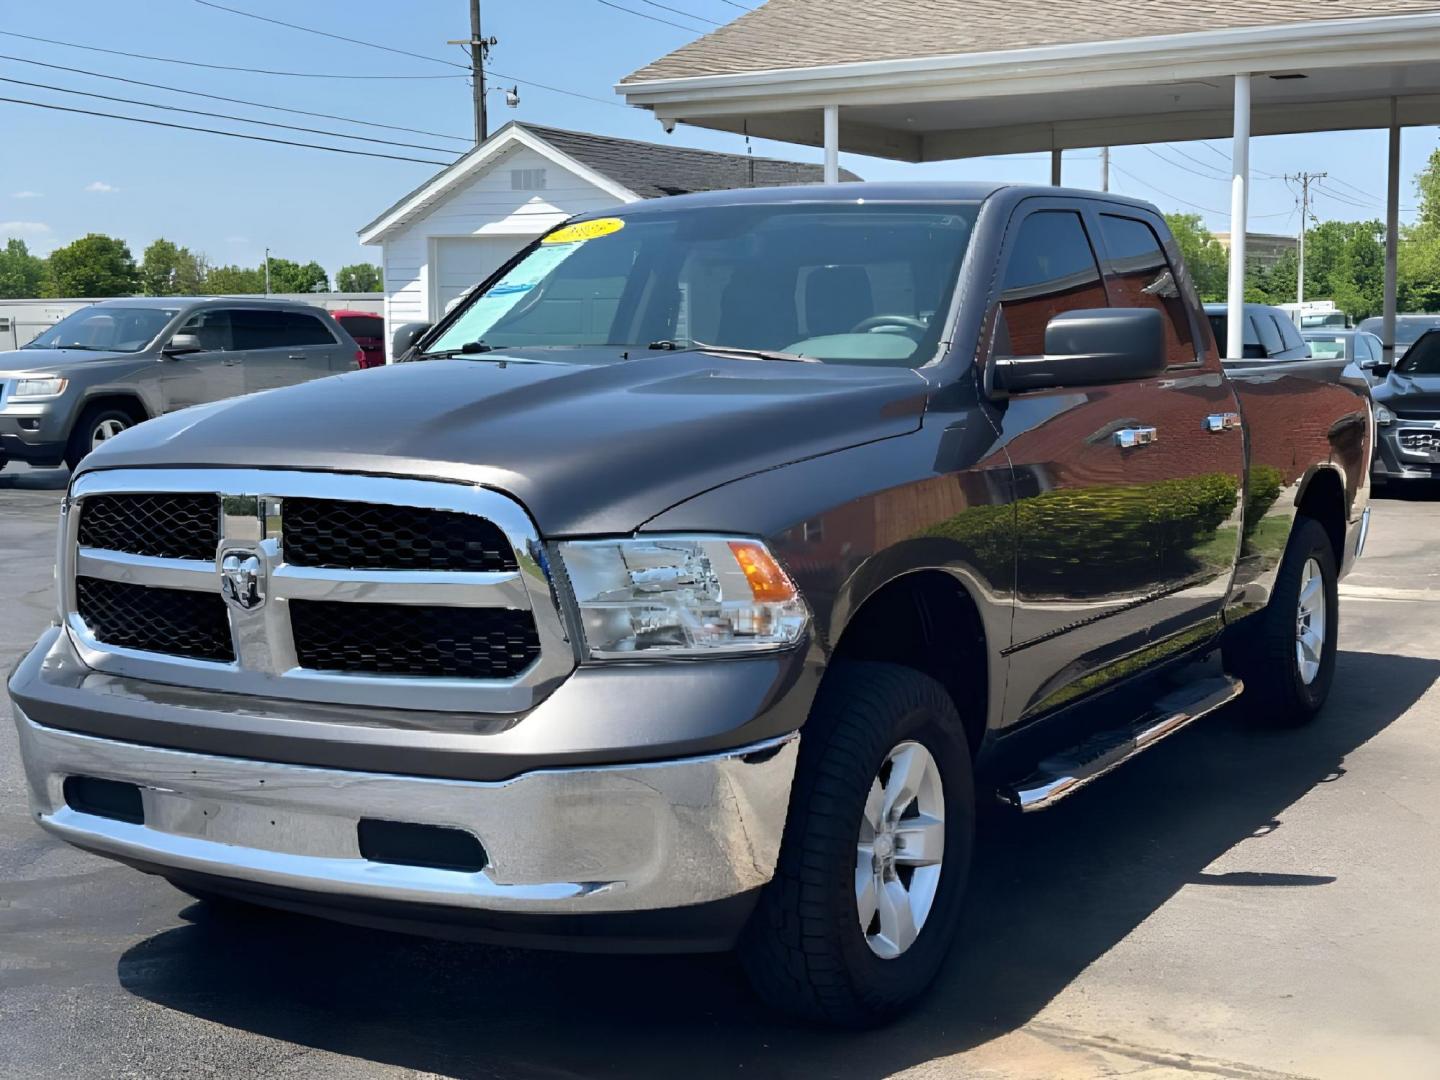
107,367
1351,346
1270,334
1407,413
721,554
368,330
1408,328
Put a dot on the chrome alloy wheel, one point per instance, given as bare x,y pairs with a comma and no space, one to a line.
1310,617
900,848
106,429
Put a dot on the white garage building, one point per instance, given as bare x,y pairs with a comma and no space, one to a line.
463,223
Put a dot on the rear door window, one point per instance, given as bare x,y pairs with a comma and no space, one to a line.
212,327
1268,333
256,329
1139,275
1050,269
1290,337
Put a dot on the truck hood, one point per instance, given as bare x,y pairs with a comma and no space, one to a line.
1409,395
588,441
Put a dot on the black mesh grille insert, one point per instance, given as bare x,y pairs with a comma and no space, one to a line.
405,639
374,536
169,526
178,622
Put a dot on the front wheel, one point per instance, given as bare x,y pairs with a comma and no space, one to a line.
866,897
96,425
1286,653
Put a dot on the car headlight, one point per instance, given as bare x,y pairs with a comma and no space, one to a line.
682,596
40,387
1383,415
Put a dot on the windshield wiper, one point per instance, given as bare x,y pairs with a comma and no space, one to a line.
470,348
667,345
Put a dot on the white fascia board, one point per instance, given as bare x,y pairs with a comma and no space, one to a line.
1050,68
481,157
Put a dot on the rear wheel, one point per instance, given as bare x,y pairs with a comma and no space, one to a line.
865,901
97,424
1286,654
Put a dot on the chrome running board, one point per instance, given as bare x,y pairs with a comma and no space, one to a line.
1067,772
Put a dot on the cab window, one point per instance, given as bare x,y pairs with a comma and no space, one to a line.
1139,275
1050,269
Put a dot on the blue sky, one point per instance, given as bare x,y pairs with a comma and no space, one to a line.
63,175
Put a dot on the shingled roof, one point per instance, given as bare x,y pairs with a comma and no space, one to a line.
791,34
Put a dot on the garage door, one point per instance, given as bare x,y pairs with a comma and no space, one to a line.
462,262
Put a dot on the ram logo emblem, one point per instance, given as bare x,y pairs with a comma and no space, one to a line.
243,580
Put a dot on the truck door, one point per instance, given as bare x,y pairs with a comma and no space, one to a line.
1093,466
208,375
1199,455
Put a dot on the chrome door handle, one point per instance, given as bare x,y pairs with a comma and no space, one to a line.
1224,421
1135,436
297,356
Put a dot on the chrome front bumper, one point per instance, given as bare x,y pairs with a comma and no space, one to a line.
565,841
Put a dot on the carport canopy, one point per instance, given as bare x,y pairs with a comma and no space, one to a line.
928,80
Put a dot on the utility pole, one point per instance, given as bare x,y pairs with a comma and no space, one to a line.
479,53
1104,168
1304,179
267,271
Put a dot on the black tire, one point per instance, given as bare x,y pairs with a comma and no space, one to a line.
83,434
1261,650
804,949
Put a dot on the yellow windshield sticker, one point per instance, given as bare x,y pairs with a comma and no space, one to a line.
585,230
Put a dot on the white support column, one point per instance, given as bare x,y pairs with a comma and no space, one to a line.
1056,162
832,144
1234,344
1392,235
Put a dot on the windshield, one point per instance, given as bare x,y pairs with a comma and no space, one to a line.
1326,348
1423,357
857,283
1408,328
106,329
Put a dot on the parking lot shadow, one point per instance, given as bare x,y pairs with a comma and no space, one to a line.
1052,893
12,479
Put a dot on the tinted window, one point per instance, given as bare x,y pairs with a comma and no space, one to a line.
1220,324
1289,333
1423,357
212,327
1140,276
259,329
1267,332
1050,269
361,326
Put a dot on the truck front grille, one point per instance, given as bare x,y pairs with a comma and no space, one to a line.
412,639
337,588
169,526
1424,442
175,622
357,535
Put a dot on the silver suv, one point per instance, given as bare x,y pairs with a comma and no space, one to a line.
107,367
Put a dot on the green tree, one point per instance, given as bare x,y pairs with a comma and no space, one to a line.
291,277
1203,255
1356,282
362,277
167,270
1273,283
94,265
22,275
235,280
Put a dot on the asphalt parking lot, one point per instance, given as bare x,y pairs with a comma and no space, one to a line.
1233,904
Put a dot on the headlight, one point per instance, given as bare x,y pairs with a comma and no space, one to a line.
682,596
40,387
1383,415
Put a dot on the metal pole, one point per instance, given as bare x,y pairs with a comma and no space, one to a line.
1239,217
1104,168
1055,165
267,271
477,70
1392,235
832,144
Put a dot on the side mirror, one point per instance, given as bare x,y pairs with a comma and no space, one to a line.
405,337
1083,348
180,344
1378,368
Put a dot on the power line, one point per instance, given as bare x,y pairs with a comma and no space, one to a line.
681,11
220,67
557,89
326,33
237,101
733,4
642,15
1151,187
216,131
223,116
1176,165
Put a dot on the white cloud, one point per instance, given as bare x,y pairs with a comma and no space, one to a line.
101,186
23,228
27,195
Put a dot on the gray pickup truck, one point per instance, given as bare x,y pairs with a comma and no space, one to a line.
107,367
710,565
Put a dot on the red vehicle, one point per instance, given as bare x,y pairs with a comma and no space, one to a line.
368,330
